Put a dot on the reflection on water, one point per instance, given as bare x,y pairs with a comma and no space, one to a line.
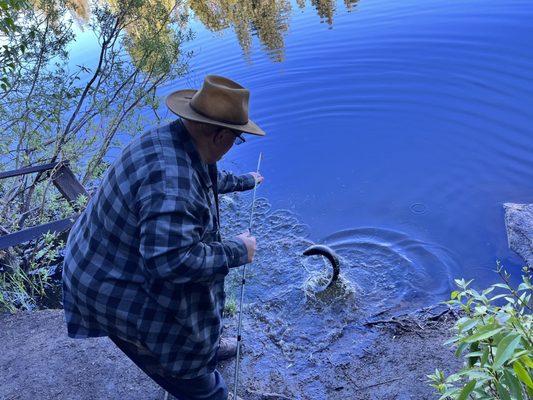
152,32
326,8
80,10
266,19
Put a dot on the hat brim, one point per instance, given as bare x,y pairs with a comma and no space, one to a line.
179,103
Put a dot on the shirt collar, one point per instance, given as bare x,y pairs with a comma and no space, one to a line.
186,142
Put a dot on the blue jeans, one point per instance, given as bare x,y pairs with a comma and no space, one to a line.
205,387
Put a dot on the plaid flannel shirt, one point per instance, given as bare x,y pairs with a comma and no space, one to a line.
145,262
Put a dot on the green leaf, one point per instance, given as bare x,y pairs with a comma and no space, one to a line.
502,285
474,348
451,341
518,355
480,310
527,361
502,392
450,393
9,21
475,354
468,324
475,373
513,384
484,357
522,374
498,296
510,300
506,348
460,349
482,334
467,389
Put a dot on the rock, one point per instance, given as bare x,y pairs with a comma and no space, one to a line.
519,223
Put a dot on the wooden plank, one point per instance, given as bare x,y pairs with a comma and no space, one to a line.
66,182
27,170
34,232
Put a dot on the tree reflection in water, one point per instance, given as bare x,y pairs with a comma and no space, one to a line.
266,19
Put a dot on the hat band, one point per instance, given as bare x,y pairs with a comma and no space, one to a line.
224,121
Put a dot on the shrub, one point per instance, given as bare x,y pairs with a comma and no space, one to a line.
21,287
54,109
495,338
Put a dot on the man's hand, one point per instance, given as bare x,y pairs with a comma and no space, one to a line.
258,177
249,242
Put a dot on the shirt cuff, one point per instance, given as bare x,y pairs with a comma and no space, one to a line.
247,181
237,252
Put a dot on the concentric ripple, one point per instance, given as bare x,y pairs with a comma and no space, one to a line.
380,268
392,268
287,324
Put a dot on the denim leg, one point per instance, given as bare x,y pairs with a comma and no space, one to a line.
205,387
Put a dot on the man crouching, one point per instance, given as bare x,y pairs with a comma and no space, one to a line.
145,263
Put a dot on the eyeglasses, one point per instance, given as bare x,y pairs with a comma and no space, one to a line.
239,139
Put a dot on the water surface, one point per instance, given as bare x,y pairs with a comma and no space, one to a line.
413,117
409,116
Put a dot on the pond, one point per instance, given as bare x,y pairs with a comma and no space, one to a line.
388,122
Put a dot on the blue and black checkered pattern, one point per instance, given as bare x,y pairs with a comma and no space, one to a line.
144,262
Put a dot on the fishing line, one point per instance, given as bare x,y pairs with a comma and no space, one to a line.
243,282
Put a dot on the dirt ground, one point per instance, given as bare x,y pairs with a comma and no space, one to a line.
39,361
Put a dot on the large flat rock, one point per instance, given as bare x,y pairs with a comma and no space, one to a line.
519,223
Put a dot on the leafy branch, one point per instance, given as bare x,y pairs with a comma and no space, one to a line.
494,338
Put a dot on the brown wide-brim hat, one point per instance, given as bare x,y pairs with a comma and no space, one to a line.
220,102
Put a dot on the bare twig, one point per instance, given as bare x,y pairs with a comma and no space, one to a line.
382,383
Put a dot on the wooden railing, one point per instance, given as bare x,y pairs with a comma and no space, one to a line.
69,187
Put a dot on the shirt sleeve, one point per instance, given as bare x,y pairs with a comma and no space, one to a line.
171,242
227,182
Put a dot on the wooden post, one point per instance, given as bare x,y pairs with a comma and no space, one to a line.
69,187
67,184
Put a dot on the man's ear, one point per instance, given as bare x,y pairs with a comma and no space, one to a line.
215,136
219,136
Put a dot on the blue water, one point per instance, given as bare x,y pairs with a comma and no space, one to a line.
412,116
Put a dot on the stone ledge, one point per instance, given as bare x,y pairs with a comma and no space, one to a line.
519,225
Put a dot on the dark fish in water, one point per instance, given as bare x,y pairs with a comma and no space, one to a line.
319,249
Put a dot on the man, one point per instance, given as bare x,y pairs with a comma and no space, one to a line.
145,263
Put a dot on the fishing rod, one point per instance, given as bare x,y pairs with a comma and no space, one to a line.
243,281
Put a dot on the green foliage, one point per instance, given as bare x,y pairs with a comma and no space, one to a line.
53,108
230,307
12,43
21,288
495,338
